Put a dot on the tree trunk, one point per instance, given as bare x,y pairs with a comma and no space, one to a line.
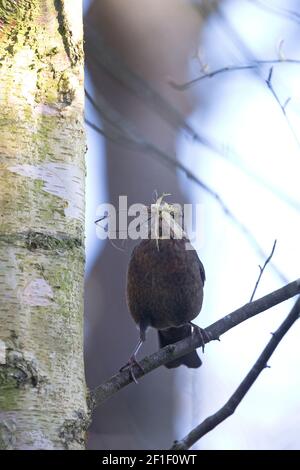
42,147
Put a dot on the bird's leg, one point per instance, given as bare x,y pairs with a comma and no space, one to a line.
201,333
133,360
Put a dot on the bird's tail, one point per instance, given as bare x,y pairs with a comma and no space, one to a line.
171,336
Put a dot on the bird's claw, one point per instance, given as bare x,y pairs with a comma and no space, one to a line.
202,335
130,365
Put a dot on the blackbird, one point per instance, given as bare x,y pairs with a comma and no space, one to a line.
165,282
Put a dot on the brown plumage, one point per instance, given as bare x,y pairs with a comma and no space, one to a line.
165,291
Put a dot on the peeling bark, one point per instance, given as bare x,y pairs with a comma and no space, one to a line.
42,147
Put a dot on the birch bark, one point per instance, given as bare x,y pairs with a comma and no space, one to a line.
42,147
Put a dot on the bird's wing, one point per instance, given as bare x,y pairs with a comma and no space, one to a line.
202,271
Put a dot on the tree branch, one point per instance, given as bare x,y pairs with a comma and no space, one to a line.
230,406
174,351
281,106
262,270
276,10
127,132
231,68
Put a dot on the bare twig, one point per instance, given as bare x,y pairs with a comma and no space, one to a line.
282,107
270,86
261,269
131,135
250,57
230,406
115,137
174,351
231,68
286,103
190,83
237,39
244,167
279,11
119,139
253,64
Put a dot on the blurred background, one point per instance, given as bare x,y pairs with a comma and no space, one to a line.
237,131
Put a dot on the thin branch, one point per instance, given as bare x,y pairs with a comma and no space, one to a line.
131,134
243,166
119,70
231,68
261,269
115,137
190,83
230,406
279,11
270,86
174,351
120,139
254,65
282,107
268,82
286,103
236,38
250,57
